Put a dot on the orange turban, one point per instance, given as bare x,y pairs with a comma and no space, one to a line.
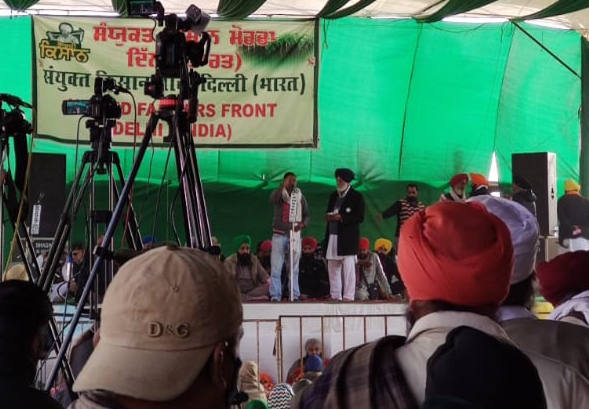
364,243
564,276
478,179
456,252
309,241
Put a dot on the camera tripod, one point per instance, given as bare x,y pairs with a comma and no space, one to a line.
99,160
196,223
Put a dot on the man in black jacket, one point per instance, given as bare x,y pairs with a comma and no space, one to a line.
345,212
25,311
573,218
523,193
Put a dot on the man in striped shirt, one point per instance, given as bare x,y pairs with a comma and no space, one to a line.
403,209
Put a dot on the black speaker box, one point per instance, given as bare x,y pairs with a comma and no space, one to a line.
46,193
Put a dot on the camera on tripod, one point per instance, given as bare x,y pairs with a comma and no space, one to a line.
14,122
100,105
172,50
102,108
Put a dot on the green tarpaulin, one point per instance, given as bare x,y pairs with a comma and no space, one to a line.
399,101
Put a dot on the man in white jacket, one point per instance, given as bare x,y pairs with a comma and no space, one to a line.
456,261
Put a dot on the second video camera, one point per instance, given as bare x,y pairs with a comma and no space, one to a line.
100,105
172,50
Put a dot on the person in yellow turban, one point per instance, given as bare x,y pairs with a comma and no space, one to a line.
573,219
384,250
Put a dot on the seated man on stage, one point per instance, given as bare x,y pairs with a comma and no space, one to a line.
384,249
368,273
313,276
251,277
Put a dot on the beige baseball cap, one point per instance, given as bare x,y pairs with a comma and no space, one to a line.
162,315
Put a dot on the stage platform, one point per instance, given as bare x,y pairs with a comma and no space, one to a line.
275,332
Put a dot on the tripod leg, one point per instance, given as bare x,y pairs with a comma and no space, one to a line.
195,211
101,249
23,240
132,233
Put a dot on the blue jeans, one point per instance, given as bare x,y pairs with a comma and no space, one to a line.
280,255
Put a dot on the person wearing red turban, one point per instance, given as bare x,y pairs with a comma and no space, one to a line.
313,276
371,281
458,253
310,242
457,191
564,282
456,261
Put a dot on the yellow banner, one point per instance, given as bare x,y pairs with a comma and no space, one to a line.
259,88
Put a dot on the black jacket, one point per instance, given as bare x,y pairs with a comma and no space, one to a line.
527,199
348,231
16,377
573,210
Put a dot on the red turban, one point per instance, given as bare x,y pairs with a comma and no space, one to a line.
309,241
266,245
478,179
457,179
364,243
456,252
564,276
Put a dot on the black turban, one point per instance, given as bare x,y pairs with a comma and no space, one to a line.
522,182
346,174
483,370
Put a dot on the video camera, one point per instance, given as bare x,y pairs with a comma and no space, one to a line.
14,122
172,50
102,108
100,105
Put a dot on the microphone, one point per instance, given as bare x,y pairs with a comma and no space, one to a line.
69,268
110,84
14,100
121,89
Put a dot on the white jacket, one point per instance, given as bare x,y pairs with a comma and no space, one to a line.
563,386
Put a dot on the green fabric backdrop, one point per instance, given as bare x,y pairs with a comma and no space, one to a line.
399,101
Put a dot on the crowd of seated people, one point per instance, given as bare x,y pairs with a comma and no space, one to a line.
468,271
251,271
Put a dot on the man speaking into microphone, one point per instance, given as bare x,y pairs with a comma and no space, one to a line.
291,215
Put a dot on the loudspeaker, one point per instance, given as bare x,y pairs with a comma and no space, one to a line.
46,194
540,170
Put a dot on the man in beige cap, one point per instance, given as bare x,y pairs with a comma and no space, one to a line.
169,337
